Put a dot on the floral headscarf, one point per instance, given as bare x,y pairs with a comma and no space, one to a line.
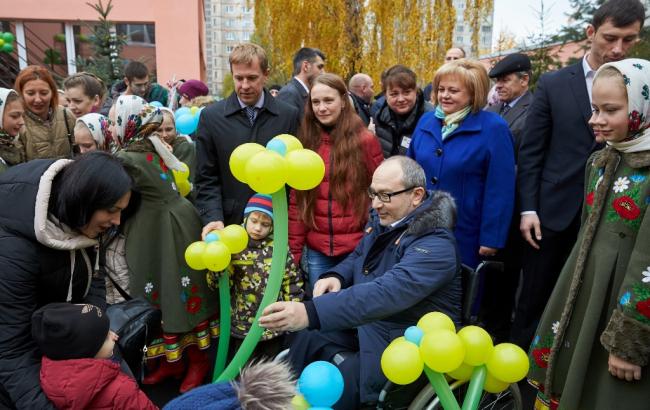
131,114
4,94
98,125
636,76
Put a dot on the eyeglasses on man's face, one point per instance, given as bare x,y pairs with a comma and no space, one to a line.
386,196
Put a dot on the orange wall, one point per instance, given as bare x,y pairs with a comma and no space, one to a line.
179,27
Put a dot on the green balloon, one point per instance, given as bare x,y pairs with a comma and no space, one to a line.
8,37
8,47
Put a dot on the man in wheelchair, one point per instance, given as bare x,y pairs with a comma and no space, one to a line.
406,265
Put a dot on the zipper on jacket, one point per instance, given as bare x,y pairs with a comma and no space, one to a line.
329,206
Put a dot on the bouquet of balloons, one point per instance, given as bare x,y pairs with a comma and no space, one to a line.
266,170
7,42
187,119
433,346
320,386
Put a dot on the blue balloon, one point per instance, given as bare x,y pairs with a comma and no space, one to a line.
156,104
278,146
181,111
320,408
185,124
211,237
414,334
321,383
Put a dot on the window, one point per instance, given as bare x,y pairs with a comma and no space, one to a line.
246,36
228,50
460,28
230,9
230,23
140,34
486,29
246,23
231,36
459,39
246,10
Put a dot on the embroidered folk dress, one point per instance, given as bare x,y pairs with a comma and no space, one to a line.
156,239
611,312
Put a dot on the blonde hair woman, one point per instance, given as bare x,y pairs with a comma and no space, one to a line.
468,152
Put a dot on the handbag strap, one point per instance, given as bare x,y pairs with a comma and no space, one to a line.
121,291
70,136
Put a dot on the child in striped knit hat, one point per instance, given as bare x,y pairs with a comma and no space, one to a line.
249,276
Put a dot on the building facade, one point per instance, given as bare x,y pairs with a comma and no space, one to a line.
463,32
227,23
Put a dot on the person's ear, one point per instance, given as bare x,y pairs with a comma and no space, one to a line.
591,31
419,194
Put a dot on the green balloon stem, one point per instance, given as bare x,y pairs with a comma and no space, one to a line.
224,323
475,389
442,389
278,265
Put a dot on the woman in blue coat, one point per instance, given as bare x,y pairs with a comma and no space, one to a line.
469,153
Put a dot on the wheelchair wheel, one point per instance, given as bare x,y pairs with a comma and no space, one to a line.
509,399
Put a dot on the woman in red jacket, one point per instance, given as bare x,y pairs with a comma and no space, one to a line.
328,220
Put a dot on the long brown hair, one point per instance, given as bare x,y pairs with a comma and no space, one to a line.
349,177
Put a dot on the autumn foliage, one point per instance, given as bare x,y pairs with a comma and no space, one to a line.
362,36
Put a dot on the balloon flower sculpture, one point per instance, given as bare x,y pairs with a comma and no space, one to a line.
187,119
266,170
320,386
435,347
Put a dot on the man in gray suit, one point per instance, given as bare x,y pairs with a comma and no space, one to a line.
307,64
512,75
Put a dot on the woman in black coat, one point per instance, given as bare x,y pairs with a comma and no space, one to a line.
52,217
396,119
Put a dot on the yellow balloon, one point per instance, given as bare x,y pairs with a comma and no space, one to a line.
494,385
306,169
194,255
234,237
180,175
299,403
434,321
478,345
240,157
508,363
442,350
401,362
464,372
184,187
194,110
290,141
2,42
216,256
266,172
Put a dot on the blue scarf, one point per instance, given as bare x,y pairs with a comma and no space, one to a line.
452,121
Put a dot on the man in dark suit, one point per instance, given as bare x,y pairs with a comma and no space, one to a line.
307,64
250,114
361,92
512,75
556,144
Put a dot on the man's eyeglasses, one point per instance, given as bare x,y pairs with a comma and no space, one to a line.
386,196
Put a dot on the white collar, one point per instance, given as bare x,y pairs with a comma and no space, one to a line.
258,104
303,84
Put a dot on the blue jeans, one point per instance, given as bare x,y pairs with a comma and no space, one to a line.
317,263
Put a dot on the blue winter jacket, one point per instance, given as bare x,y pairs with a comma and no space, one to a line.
394,276
476,164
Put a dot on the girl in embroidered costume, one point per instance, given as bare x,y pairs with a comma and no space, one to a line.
592,345
156,238
12,119
250,273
